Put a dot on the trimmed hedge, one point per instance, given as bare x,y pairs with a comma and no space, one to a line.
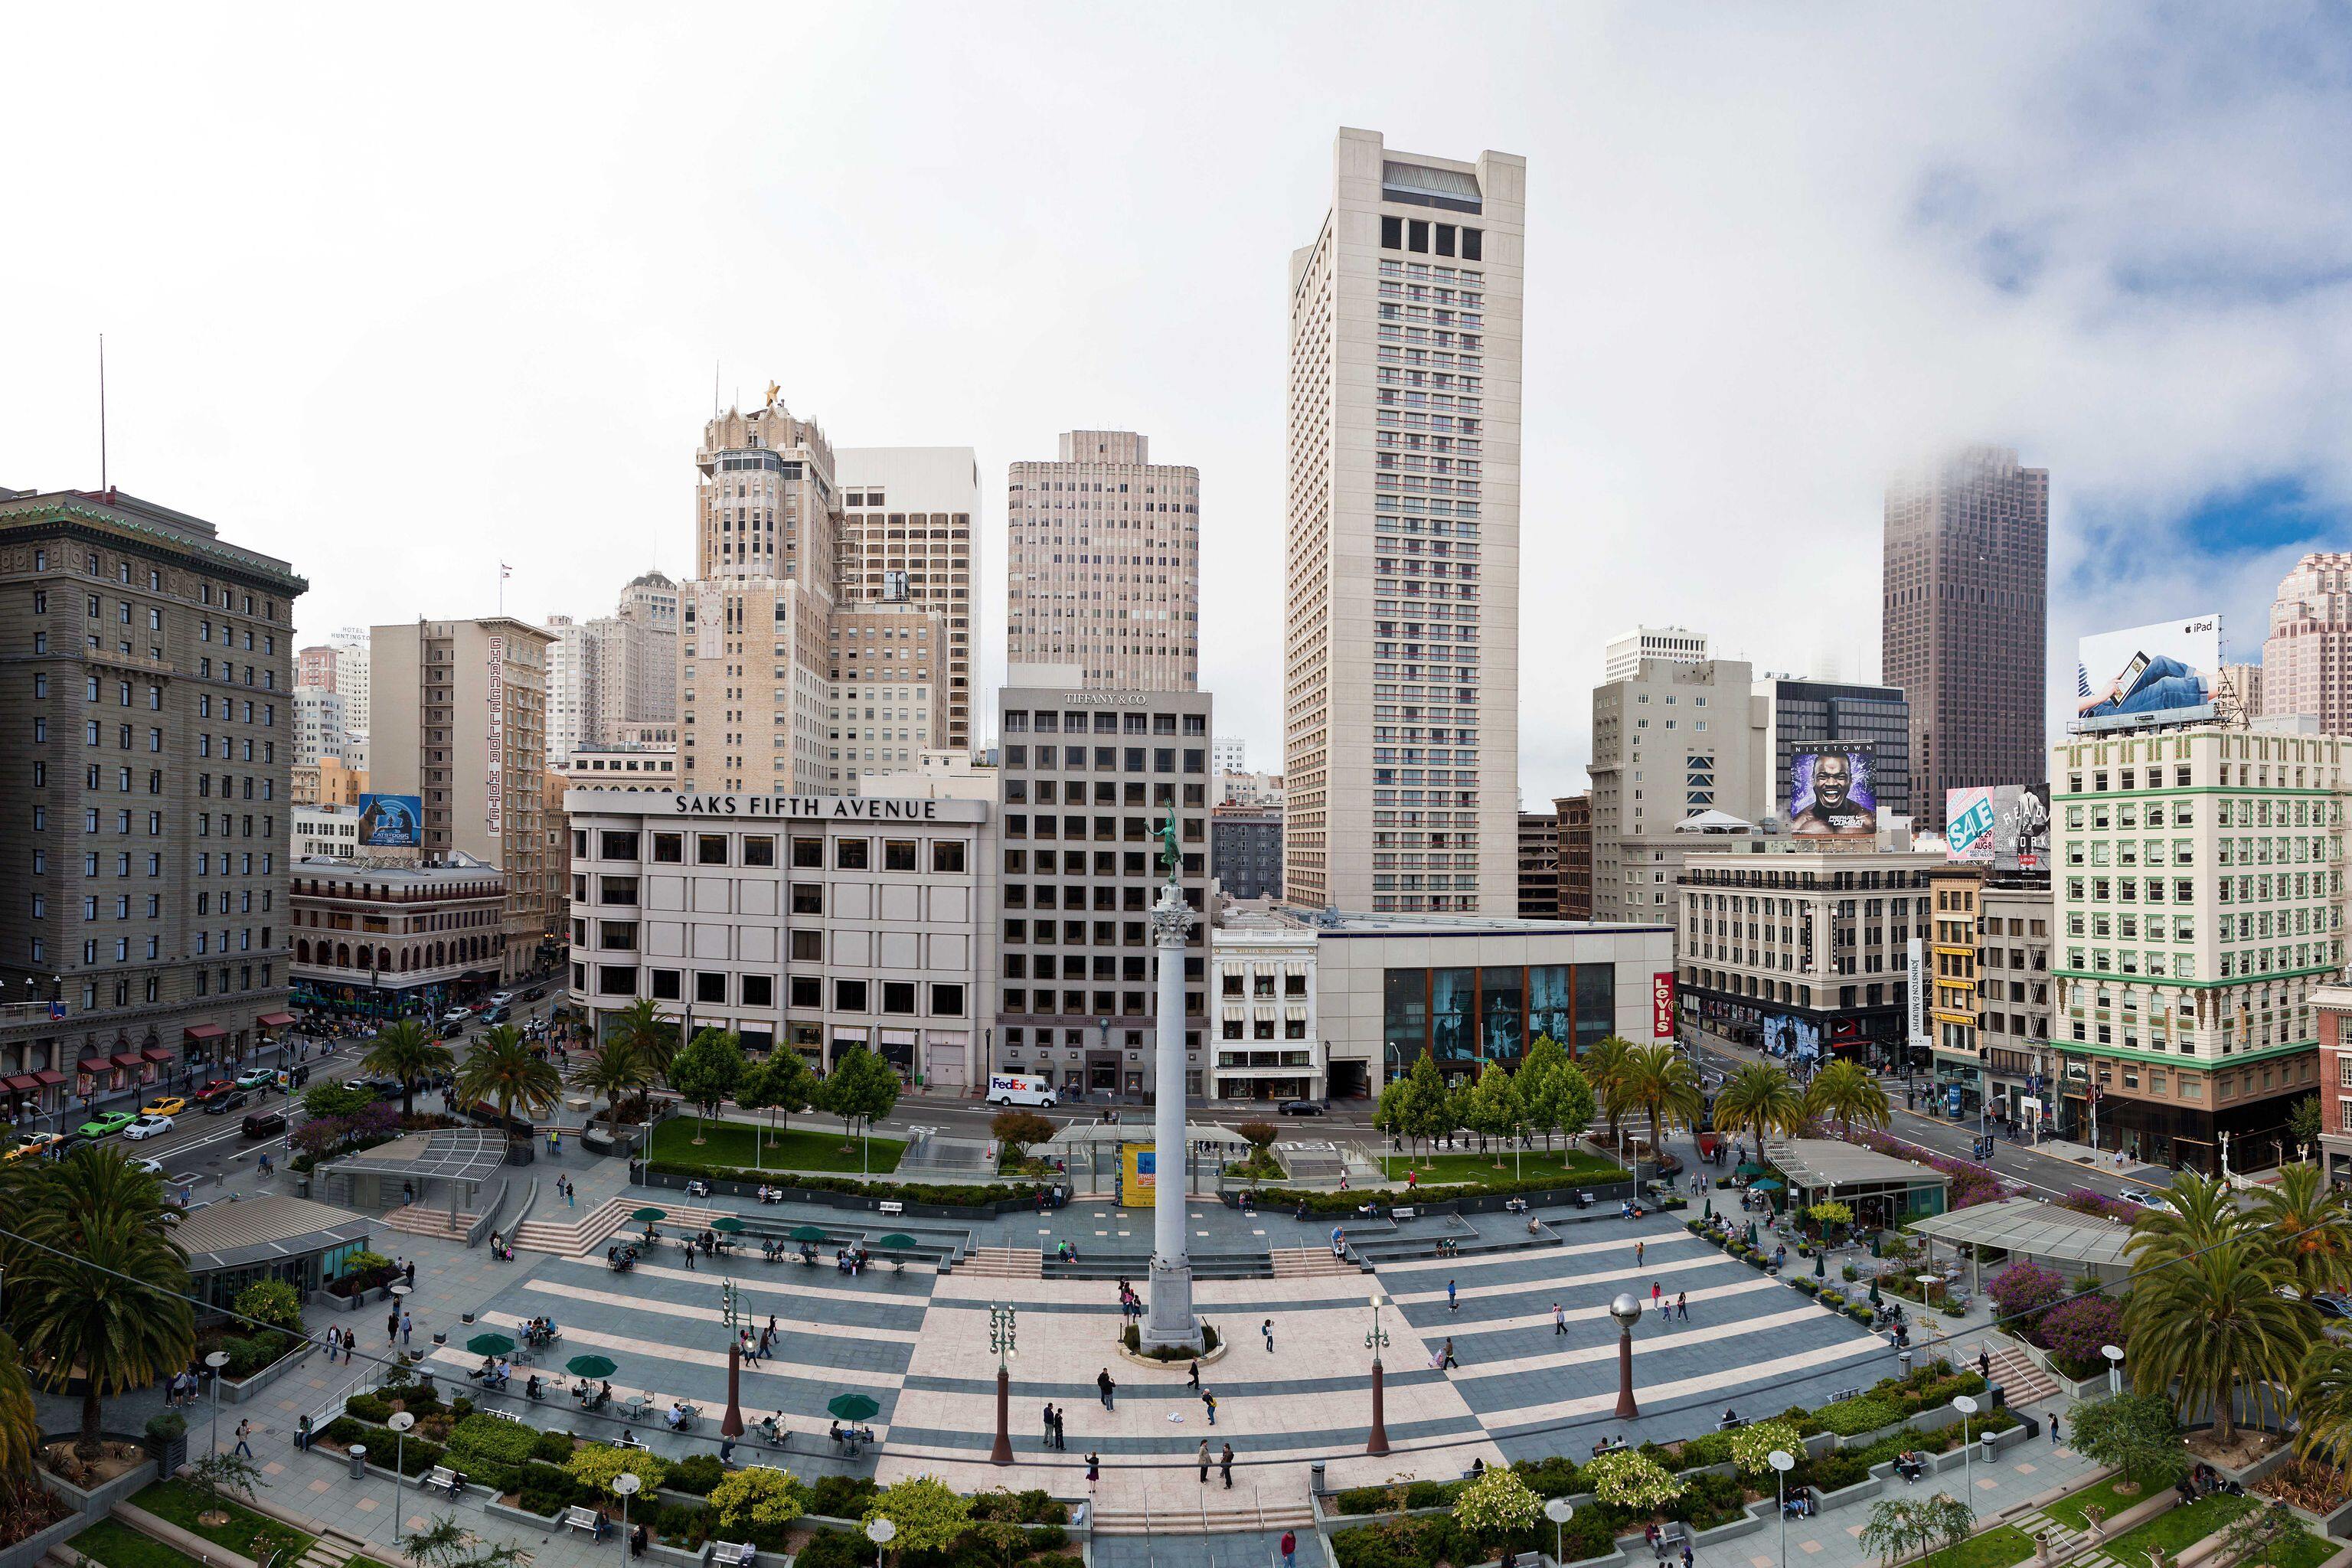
909,1192
1338,1203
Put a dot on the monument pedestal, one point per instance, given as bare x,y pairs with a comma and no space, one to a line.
1169,1320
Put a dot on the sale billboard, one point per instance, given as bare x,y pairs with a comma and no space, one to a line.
2157,674
1968,824
2006,826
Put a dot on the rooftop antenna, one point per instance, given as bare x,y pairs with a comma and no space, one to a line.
101,413
714,389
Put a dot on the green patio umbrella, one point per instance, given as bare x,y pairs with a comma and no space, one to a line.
1764,1184
1751,1233
1750,1169
1875,1237
1710,1208
730,1225
591,1366
1874,1290
852,1407
489,1344
809,1233
648,1216
1819,1271
896,1238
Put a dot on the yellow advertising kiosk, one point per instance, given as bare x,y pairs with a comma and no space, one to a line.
1138,1171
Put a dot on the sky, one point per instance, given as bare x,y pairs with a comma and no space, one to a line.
400,296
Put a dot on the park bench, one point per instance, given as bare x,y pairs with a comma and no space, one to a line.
1403,1214
586,1519
507,1415
697,1189
893,1207
734,1554
627,1441
441,1479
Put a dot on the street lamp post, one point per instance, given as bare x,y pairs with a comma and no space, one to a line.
1967,1407
626,1483
1001,1329
881,1533
1782,1462
1375,1342
1627,1310
400,1422
1560,1510
2114,1355
216,1360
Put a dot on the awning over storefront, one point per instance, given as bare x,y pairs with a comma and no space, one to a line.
275,1020
23,1083
158,1054
206,1031
126,1059
48,1076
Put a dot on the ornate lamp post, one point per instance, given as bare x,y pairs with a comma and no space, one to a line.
1782,1462
1000,1339
1376,1341
1627,1312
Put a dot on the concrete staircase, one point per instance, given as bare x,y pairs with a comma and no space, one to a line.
1003,1263
326,1551
1215,1511
423,1219
1305,1262
2065,1538
570,1232
2023,1380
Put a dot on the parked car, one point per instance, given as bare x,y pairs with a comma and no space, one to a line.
147,1127
107,1123
1303,1108
497,1015
166,1105
2331,1305
265,1124
231,1099
456,1017
149,1167
34,1147
219,1088
254,1078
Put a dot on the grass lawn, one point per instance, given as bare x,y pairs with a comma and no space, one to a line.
2302,1549
1996,1548
1479,1169
2177,1527
798,1148
118,1545
178,1503
2069,1510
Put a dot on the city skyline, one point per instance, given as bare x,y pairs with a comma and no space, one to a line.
1990,233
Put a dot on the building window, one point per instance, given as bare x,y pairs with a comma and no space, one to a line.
849,995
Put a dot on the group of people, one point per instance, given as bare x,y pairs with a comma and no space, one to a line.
679,1416
540,1331
1055,1437
755,1347
1131,1305
621,1258
851,1260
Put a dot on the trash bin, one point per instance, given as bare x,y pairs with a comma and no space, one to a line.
1984,1441
1316,1470
359,1461
2000,1399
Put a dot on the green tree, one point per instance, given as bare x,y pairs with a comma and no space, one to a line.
2136,1433
97,1288
323,1102
271,1301
2257,1538
616,1071
1562,1102
1842,1091
1427,1111
765,1086
2323,1402
1760,1101
707,1072
402,1050
1494,1106
758,1494
596,1465
1496,1505
1604,1070
1389,1111
2211,1319
1629,1478
1948,1519
2302,1123
20,1424
1663,1087
642,1029
2308,1223
1896,1529
1752,1445
862,1087
446,1543
501,1068
930,1513
789,1086
219,1474
1017,1129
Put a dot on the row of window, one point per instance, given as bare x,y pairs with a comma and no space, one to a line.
757,849
899,998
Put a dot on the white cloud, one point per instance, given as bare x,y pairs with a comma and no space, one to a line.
399,302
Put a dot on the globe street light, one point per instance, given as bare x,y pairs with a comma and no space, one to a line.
400,1421
1782,1462
881,1533
2114,1355
216,1360
626,1483
1627,1310
1967,1407
1560,1510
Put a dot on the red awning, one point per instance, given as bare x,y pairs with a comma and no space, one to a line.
23,1082
126,1059
47,1076
206,1031
158,1054
275,1020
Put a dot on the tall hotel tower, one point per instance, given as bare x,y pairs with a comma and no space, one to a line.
1401,576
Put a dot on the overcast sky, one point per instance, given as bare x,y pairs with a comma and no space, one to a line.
396,295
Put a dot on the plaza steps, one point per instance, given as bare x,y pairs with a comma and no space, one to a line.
2023,1380
1214,1513
1414,1249
1003,1263
424,1219
1305,1262
578,1231
1138,1266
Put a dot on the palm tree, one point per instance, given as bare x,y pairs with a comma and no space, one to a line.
101,1290
2198,1213
2323,1401
1663,1085
2214,1323
1760,1101
642,1029
403,1051
502,1068
2306,1221
615,1071
1845,1093
1604,1070
20,1426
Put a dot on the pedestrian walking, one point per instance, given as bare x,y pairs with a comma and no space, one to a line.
1682,1305
2053,1428
1192,1377
1446,1358
408,1276
1204,1461
391,1328
351,1344
1686,1551
1094,1467
407,1327
1452,1304
1558,1319
1061,1429
1209,1404
1048,1419
1104,1384
1225,1465
1289,1549
725,1450
244,1431
689,1255
1638,1249
1984,1364
1266,1329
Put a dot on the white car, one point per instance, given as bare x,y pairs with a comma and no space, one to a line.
2145,1199
149,1167
147,1127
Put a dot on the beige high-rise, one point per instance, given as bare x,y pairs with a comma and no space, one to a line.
1103,571
463,725
910,535
1402,683
2308,657
752,659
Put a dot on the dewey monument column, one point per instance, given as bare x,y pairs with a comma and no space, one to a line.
1170,1320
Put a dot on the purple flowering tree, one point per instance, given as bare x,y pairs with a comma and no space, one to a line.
2072,1331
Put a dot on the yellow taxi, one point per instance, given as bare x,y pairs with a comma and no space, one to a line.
32,1147
164,1105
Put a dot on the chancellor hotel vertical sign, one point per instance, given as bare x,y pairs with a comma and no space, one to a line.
494,774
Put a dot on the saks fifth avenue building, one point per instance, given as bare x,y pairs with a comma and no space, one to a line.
819,921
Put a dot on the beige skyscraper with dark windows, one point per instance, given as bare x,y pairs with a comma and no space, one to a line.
1103,567
1402,579
910,536
2306,664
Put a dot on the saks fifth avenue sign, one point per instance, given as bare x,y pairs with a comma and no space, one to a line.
806,807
